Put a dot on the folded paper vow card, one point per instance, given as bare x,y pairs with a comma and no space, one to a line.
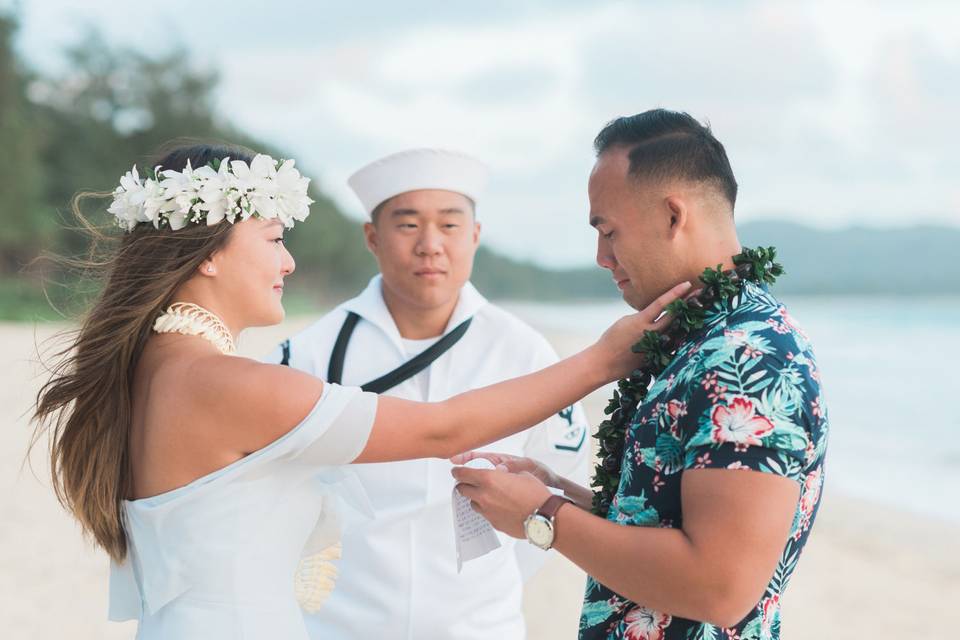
475,535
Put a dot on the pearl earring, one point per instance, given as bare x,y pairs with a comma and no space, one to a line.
209,269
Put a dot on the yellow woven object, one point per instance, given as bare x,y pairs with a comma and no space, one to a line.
315,578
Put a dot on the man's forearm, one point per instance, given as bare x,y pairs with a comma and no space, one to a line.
582,496
656,567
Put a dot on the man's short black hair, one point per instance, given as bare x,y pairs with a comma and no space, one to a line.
667,144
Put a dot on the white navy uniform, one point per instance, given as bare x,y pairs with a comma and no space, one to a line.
398,575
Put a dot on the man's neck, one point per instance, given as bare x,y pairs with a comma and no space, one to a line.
418,323
722,256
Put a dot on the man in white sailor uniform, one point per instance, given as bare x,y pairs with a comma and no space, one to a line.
420,330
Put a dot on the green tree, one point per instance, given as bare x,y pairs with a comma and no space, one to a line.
22,230
80,130
116,106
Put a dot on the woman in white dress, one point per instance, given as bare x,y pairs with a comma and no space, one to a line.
205,475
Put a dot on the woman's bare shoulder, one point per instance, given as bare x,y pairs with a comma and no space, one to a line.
229,402
255,402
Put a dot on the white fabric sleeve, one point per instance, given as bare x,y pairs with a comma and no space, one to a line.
337,429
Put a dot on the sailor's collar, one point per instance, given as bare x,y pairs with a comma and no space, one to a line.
370,306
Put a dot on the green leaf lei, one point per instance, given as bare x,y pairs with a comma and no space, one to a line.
658,349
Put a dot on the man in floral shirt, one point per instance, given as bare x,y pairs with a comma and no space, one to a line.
722,466
742,394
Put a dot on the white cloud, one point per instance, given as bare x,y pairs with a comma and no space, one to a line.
833,113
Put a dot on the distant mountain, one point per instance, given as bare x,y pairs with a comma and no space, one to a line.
863,261
904,261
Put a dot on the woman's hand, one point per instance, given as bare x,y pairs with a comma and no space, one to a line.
513,464
613,347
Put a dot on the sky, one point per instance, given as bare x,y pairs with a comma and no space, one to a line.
834,114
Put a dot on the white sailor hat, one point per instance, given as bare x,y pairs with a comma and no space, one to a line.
418,169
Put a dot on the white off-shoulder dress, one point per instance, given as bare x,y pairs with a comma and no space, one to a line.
216,559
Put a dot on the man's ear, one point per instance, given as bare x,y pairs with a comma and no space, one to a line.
370,236
678,212
476,233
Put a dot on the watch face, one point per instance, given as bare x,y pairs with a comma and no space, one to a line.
539,531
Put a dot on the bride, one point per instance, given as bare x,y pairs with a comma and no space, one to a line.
198,471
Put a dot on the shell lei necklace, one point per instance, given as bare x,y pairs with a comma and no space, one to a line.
193,320
658,350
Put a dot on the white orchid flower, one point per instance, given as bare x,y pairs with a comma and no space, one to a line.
205,195
153,202
128,200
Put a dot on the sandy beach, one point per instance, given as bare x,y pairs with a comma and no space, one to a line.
869,570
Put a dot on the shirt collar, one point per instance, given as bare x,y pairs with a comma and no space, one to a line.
719,312
370,306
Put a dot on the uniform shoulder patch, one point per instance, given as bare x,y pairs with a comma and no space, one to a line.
569,435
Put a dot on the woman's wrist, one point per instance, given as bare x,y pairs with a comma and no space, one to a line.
597,365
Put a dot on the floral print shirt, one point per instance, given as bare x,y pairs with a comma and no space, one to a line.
742,393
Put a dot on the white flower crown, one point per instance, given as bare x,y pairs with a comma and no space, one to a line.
227,189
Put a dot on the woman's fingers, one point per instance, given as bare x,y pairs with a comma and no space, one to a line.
463,458
652,311
662,323
495,458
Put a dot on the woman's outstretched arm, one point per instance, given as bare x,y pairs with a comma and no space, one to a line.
405,429
261,402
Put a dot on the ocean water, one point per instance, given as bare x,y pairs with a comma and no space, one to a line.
891,380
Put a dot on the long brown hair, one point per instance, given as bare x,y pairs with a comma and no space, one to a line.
85,407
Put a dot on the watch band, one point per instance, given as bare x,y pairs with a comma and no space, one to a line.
549,508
